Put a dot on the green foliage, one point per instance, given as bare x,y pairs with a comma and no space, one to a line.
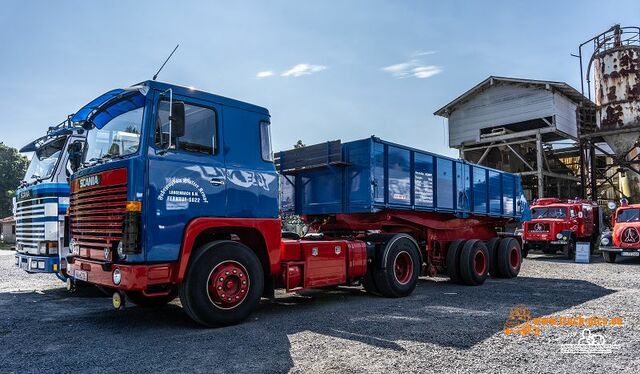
13,165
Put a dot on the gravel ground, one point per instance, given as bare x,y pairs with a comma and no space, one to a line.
441,327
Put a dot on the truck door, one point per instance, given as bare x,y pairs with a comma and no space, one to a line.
186,178
587,216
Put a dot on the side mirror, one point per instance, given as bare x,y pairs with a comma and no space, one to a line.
75,155
177,119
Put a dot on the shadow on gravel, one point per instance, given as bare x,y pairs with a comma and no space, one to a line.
164,339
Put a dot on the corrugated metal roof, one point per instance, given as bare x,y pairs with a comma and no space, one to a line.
561,87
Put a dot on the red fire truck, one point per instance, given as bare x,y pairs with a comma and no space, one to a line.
556,225
624,239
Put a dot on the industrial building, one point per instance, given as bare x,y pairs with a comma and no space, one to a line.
523,126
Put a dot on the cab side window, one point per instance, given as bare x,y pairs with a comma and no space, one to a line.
199,129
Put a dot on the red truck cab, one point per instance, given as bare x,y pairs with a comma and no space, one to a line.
558,224
624,239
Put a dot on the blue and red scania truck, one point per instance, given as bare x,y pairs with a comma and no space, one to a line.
42,199
178,195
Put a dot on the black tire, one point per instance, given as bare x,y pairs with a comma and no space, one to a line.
453,260
569,250
492,247
400,250
138,298
474,262
609,257
205,306
509,258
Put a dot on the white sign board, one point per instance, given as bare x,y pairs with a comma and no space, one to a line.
583,252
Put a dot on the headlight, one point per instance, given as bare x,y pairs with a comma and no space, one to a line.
117,277
558,236
605,241
42,248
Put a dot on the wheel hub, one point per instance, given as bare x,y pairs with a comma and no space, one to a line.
403,267
228,284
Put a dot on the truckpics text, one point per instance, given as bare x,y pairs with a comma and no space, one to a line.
624,239
178,196
556,225
42,199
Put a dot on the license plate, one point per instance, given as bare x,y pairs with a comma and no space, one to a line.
81,275
630,254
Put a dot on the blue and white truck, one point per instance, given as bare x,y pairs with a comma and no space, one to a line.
42,199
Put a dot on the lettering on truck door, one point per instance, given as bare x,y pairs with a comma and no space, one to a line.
186,179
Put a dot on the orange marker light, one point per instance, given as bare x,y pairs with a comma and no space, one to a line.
134,206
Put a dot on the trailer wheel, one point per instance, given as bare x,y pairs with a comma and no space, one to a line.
509,258
401,265
138,298
223,285
492,247
453,260
474,262
609,257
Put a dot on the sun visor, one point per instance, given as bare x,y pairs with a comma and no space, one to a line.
110,105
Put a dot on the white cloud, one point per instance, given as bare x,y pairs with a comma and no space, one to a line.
264,74
426,71
303,69
412,68
424,53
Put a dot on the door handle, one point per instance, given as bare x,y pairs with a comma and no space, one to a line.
217,181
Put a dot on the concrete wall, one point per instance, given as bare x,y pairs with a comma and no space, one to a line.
8,232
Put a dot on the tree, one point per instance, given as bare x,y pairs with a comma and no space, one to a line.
13,165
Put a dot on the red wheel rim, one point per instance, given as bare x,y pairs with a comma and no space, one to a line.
514,258
228,285
480,263
403,267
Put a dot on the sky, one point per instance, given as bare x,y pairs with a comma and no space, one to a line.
326,70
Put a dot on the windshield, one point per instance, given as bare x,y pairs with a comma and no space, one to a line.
549,212
118,137
44,160
628,215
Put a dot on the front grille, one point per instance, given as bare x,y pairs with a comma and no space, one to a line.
537,227
97,213
30,226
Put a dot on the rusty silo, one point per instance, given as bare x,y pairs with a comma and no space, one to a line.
615,65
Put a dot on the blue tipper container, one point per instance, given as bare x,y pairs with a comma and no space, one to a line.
370,175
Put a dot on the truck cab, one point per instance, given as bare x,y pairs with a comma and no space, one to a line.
556,225
42,199
624,239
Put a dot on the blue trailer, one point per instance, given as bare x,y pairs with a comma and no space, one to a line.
178,195
371,175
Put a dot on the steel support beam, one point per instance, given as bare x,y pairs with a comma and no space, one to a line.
539,165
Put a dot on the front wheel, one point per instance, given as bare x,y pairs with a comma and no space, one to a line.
223,285
609,257
474,262
569,250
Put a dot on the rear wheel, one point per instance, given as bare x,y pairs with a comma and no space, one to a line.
223,285
138,298
509,258
400,267
474,262
609,257
453,260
